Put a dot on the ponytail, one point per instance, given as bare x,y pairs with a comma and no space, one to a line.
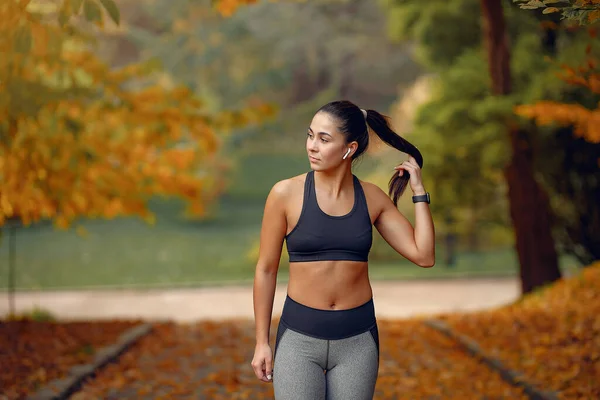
379,124
351,122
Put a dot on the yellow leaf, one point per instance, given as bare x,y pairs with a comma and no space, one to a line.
550,10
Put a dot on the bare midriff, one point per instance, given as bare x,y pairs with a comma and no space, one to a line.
330,285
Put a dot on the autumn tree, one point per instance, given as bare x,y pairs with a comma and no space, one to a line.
578,133
79,139
586,122
529,202
464,124
82,139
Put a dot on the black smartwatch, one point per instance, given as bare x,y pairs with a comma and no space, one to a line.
422,197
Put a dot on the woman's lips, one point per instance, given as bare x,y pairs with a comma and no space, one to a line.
311,158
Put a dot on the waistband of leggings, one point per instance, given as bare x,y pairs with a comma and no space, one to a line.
328,324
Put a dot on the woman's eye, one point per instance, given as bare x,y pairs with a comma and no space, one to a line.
310,135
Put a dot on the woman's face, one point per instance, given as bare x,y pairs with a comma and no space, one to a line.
326,145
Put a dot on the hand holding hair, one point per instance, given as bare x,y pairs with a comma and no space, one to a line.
414,172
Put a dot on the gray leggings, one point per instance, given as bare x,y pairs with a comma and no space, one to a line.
316,368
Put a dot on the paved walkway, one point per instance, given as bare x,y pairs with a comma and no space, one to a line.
396,299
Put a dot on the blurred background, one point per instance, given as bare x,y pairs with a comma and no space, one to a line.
140,138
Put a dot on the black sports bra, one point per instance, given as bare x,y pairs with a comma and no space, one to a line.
318,236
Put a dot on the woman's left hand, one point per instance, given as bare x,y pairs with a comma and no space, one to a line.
414,170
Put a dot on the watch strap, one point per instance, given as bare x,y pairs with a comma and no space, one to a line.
422,197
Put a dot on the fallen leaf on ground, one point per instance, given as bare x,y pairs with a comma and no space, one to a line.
34,353
212,361
552,336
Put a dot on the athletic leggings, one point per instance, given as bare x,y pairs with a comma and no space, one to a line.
326,354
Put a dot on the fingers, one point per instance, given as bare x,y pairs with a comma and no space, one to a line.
411,161
257,366
269,371
263,369
257,370
405,166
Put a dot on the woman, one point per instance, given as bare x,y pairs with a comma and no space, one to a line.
327,344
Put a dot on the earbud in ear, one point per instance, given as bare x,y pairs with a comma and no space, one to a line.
346,155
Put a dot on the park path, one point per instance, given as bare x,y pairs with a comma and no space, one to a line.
393,299
211,360
202,340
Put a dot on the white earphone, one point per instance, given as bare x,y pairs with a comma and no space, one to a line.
346,155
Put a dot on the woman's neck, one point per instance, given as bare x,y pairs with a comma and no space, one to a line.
334,181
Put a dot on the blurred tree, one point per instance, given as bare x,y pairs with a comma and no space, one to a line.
574,177
81,139
586,122
465,112
529,202
258,51
460,126
213,56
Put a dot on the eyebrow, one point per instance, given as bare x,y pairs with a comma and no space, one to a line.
321,133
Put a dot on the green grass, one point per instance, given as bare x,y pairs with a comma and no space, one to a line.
129,252
497,263
175,252
257,173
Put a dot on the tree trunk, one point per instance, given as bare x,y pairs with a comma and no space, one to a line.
529,204
12,250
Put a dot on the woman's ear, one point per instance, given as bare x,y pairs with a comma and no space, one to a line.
353,146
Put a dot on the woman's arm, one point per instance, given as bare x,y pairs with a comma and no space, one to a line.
272,233
418,244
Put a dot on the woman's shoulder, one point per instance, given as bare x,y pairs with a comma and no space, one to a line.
289,186
370,188
374,194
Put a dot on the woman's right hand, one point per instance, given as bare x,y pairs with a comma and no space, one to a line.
262,363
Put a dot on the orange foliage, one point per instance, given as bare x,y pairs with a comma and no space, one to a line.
81,139
228,7
586,122
35,353
552,336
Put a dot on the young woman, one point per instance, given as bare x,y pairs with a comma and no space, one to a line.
327,344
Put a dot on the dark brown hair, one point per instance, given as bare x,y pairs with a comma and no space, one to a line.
352,123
